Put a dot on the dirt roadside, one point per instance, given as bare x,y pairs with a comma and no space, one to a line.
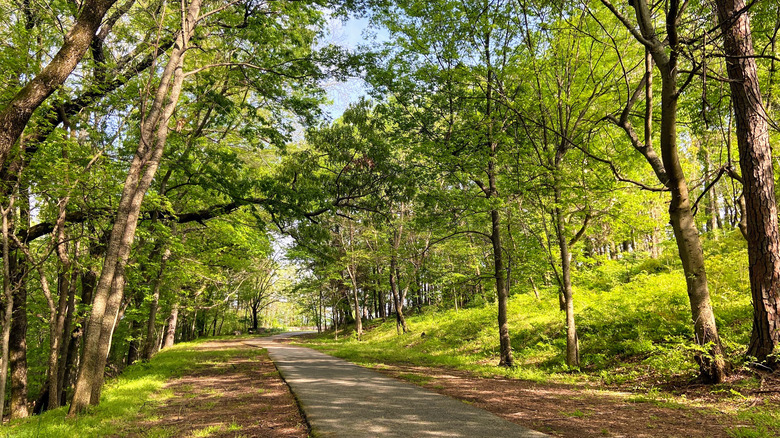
575,412
243,397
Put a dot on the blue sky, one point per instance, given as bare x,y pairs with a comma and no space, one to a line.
348,34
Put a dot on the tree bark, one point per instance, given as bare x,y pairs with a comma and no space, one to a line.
712,364
502,293
16,114
665,55
400,320
572,340
154,134
132,348
18,342
8,308
67,336
755,160
170,334
356,302
108,324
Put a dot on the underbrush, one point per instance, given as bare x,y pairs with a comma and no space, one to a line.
135,392
633,317
634,325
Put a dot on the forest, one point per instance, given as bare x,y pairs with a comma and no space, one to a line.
543,187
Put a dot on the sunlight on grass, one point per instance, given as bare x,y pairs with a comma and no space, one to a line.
207,431
633,321
132,395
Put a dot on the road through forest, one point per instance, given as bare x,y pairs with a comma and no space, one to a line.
340,399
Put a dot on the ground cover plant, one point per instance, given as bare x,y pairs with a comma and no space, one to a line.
135,402
634,337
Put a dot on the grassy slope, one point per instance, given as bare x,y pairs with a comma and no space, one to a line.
135,392
633,319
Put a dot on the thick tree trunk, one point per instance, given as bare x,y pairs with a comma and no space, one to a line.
16,114
254,306
755,159
154,134
17,345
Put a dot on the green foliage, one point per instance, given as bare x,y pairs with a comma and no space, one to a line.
761,423
635,328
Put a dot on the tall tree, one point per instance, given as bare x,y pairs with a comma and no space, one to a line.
666,53
755,160
109,291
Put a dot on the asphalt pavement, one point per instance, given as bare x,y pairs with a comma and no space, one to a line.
343,400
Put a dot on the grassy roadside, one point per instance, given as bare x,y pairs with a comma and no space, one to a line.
137,391
634,328
736,404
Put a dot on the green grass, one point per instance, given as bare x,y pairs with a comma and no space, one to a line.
763,423
633,317
416,378
634,326
132,395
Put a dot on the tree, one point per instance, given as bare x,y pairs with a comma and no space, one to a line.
666,54
755,159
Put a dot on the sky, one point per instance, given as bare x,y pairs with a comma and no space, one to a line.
348,34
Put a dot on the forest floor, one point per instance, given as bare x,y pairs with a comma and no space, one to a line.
243,396
595,410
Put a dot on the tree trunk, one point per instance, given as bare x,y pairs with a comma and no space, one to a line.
132,348
356,299
712,364
8,308
572,341
66,344
151,339
755,160
665,54
400,320
17,345
170,334
154,134
254,306
56,330
502,293
113,307
71,362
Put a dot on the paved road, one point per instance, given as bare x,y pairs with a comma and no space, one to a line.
344,400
